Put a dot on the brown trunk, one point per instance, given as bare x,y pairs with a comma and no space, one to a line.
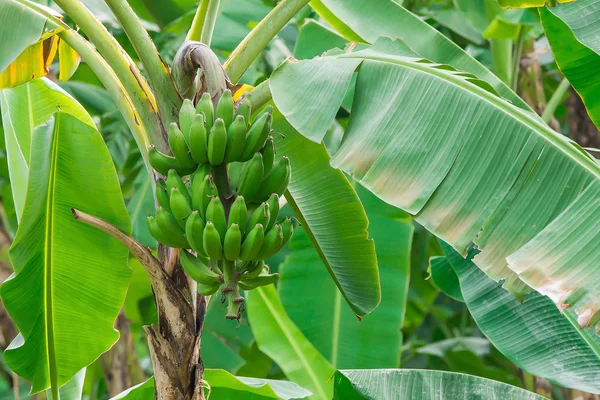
581,128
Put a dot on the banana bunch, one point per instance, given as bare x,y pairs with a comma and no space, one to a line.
220,199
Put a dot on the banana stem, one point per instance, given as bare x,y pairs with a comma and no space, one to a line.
259,96
203,24
168,100
221,179
234,300
250,48
128,73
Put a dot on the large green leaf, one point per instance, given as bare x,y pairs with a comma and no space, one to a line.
533,334
389,384
471,167
572,31
142,391
323,199
19,27
280,339
70,279
24,108
314,38
226,386
314,303
71,390
370,19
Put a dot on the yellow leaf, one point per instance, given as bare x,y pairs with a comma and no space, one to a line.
33,63
528,3
68,61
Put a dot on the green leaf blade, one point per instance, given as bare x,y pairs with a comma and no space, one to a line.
67,274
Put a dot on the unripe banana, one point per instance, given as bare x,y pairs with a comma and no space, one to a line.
180,207
277,180
287,228
273,203
170,228
194,230
212,242
262,280
174,180
244,110
205,106
215,213
235,170
257,135
199,140
255,270
225,108
207,290
186,116
202,193
232,242
259,216
162,195
162,237
236,137
163,163
198,176
272,243
252,244
179,146
268,153
251,178
238,213
217,143
197,270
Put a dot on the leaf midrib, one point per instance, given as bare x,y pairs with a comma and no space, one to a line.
48,262
292,342
533,124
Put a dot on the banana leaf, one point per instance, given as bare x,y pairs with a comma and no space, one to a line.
571,30
278,337
315,304
533,334
396,384
70,279
24,108
470,166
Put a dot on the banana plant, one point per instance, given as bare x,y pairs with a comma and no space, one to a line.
230,167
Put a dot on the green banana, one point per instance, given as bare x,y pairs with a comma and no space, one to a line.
217,143
232,242
161,236
199,140
277,180
252,244
180,207
211,241
174,180
273,203
186,116
259,216
215,213
197,270
163,163
225,108
205,106
202,193
179,146
170,228
268,153
238,213
272,243
194,229
287,228
207,290
257,135
162,195
235,171
236,137
255,270
244,110
261,280
198,176
251,178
